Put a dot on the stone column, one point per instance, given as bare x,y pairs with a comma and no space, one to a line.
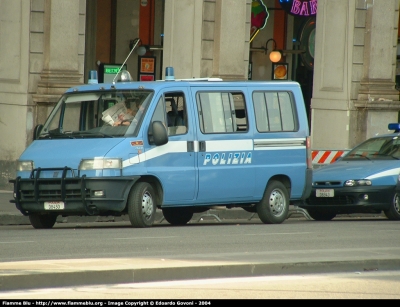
377,82
377,103
182,37
207,38
231,47
60,53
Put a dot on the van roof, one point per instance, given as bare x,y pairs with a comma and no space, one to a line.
156,85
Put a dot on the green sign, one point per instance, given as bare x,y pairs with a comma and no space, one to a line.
111,70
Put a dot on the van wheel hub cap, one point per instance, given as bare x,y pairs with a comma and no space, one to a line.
276,203
147,205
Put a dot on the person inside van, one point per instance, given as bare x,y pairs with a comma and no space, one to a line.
121,118
175,121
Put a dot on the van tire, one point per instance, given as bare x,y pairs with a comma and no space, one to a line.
42,221
141,205
177,216
393,213
274,206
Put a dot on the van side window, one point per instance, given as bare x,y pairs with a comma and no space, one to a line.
176,113
274,111
71,118
89,115
159,113
221,112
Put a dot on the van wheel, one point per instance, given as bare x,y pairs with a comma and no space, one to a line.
42,221
321,216
393,213
141,205
274,206
177,216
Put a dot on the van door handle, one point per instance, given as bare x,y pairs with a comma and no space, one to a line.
190,146
202,146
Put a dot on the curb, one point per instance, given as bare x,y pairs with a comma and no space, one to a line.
34,279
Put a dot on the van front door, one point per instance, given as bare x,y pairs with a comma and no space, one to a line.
174,162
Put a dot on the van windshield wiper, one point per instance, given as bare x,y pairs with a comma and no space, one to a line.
55,135
84,134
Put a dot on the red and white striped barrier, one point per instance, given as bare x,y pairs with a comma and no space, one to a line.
326,156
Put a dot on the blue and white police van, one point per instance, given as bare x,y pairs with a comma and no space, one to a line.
180,146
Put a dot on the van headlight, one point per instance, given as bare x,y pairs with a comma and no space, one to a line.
26,165
106,163
360,182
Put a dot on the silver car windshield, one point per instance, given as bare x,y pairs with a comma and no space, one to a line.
380,148
97,114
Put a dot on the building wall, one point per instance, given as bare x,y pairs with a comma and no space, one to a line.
35,62
354,94
57,40
16,112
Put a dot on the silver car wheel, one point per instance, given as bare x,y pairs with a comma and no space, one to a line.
277,202
147,206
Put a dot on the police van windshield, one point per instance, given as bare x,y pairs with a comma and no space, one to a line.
97,114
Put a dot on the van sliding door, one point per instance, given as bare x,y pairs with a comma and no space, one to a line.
226,172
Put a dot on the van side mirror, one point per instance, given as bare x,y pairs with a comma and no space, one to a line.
157,133
37,131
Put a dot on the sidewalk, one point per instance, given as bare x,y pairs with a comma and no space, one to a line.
9,215
78,272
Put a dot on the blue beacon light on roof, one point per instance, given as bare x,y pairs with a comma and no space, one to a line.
169,73
394,126
93,79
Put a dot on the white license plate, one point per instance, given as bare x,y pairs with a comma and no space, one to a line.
54,205
325,193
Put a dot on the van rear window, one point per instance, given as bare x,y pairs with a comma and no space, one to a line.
274,111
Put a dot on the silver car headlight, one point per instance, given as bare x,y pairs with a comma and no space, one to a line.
26,165
98,164
359,182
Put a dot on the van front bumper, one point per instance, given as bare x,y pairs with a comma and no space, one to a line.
80,195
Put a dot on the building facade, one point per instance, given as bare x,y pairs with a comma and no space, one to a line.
345,57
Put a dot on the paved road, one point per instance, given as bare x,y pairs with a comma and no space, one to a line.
9,215
16,275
